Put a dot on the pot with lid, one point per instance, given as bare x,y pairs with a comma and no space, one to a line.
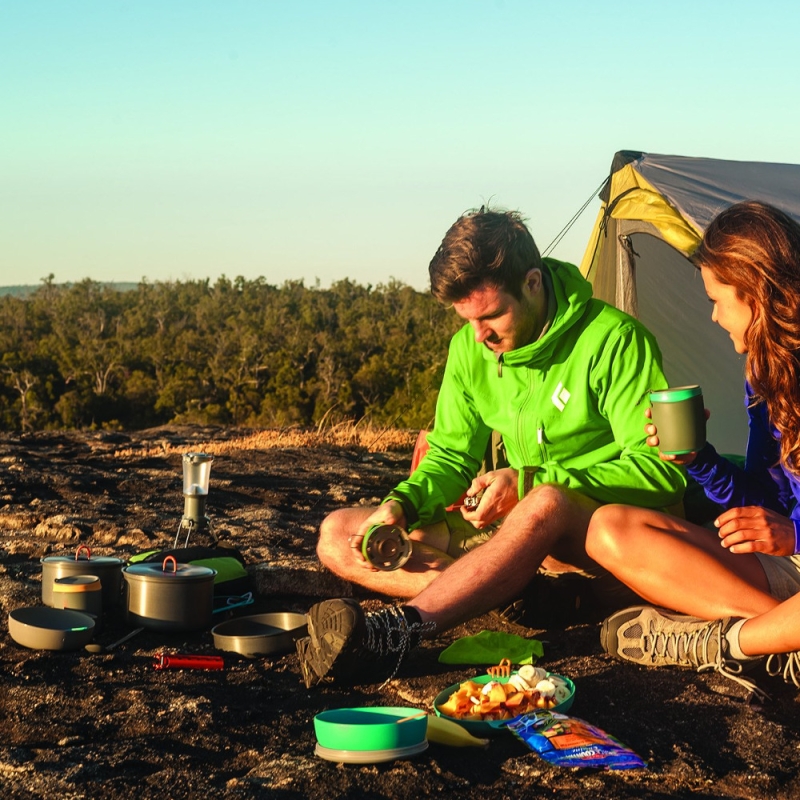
107,568
170,596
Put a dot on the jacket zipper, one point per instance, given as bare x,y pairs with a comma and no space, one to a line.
540,442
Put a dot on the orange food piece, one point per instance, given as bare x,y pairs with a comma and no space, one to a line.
514,700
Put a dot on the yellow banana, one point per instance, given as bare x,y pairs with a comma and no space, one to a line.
445,731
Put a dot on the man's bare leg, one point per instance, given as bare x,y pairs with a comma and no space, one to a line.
343,640
550,519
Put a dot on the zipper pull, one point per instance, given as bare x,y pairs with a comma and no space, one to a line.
500,365
539,435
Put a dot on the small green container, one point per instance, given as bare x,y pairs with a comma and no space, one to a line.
680,419
386,547
372,728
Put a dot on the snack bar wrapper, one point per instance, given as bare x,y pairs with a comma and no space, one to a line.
571,742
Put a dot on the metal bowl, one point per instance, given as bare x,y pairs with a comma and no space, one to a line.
45,628
260,634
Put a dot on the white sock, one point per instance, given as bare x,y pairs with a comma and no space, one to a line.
735,651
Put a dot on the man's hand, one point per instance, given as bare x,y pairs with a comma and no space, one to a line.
753,529
390,513
500,495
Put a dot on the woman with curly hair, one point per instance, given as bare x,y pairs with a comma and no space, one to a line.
739,583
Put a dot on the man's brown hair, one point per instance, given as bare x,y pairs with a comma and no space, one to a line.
483,247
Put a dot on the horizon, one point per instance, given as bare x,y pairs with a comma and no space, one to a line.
320,142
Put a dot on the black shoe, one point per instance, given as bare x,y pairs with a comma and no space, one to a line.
550,600
344,644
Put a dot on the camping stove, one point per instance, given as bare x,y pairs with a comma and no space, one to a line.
196,475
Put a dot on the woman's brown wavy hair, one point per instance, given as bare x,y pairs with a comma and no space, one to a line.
755,248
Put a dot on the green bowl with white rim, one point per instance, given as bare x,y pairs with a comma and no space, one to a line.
371,728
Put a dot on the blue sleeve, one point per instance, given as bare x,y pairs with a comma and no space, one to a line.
762,482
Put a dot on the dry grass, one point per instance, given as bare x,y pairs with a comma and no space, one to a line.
359,435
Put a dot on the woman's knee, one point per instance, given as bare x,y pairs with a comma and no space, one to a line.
607,533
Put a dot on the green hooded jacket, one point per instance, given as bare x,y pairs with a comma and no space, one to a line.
571,405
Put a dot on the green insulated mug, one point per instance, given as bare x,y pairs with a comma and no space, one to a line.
679,416
386,547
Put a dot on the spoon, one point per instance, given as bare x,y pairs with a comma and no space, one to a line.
95,647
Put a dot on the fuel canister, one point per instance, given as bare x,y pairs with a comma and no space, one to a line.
386,547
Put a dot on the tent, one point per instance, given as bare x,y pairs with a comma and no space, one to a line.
653,214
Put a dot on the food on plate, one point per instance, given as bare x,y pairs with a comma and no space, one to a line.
527,690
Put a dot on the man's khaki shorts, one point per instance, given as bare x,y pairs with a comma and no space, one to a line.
464,536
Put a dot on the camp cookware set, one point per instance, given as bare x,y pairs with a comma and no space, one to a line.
165,596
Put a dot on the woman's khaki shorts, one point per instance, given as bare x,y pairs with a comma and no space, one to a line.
783,574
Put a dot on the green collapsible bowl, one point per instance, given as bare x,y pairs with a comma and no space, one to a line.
374,728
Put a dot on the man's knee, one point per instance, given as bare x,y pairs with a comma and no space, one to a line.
554,501
333,532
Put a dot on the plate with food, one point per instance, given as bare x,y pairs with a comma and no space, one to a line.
487,702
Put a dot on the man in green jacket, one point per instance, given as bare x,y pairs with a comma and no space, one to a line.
562,377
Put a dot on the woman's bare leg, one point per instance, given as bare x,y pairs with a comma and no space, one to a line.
675,564
777,631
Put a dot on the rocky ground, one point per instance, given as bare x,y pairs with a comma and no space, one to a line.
76,725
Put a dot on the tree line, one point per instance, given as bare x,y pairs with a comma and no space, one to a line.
235,352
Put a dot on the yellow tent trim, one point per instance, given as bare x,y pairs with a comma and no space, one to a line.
634,198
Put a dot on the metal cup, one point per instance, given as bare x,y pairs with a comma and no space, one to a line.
679,416
79,593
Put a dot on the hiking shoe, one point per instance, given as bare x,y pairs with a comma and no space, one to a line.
786,663
345,643
658,638
549,600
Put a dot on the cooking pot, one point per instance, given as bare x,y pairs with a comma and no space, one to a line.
170,596
107,568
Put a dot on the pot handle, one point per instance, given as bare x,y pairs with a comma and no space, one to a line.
88,552
174,564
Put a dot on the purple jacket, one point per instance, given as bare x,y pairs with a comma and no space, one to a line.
762,482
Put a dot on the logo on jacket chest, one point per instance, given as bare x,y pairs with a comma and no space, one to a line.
560,397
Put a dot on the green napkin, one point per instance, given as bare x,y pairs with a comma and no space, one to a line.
489,647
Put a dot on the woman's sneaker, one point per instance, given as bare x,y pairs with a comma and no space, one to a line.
346,644
658,638
787,664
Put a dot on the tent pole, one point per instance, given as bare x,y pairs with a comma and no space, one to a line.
626,276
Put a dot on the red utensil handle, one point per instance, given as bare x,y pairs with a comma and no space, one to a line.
179,661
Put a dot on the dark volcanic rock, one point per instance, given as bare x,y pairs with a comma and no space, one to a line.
76,725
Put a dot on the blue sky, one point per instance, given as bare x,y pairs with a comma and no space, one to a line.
180,139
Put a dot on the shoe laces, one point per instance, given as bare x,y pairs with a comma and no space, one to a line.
389,633
786,663
693,649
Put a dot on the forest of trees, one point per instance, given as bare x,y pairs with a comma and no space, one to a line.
238,352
